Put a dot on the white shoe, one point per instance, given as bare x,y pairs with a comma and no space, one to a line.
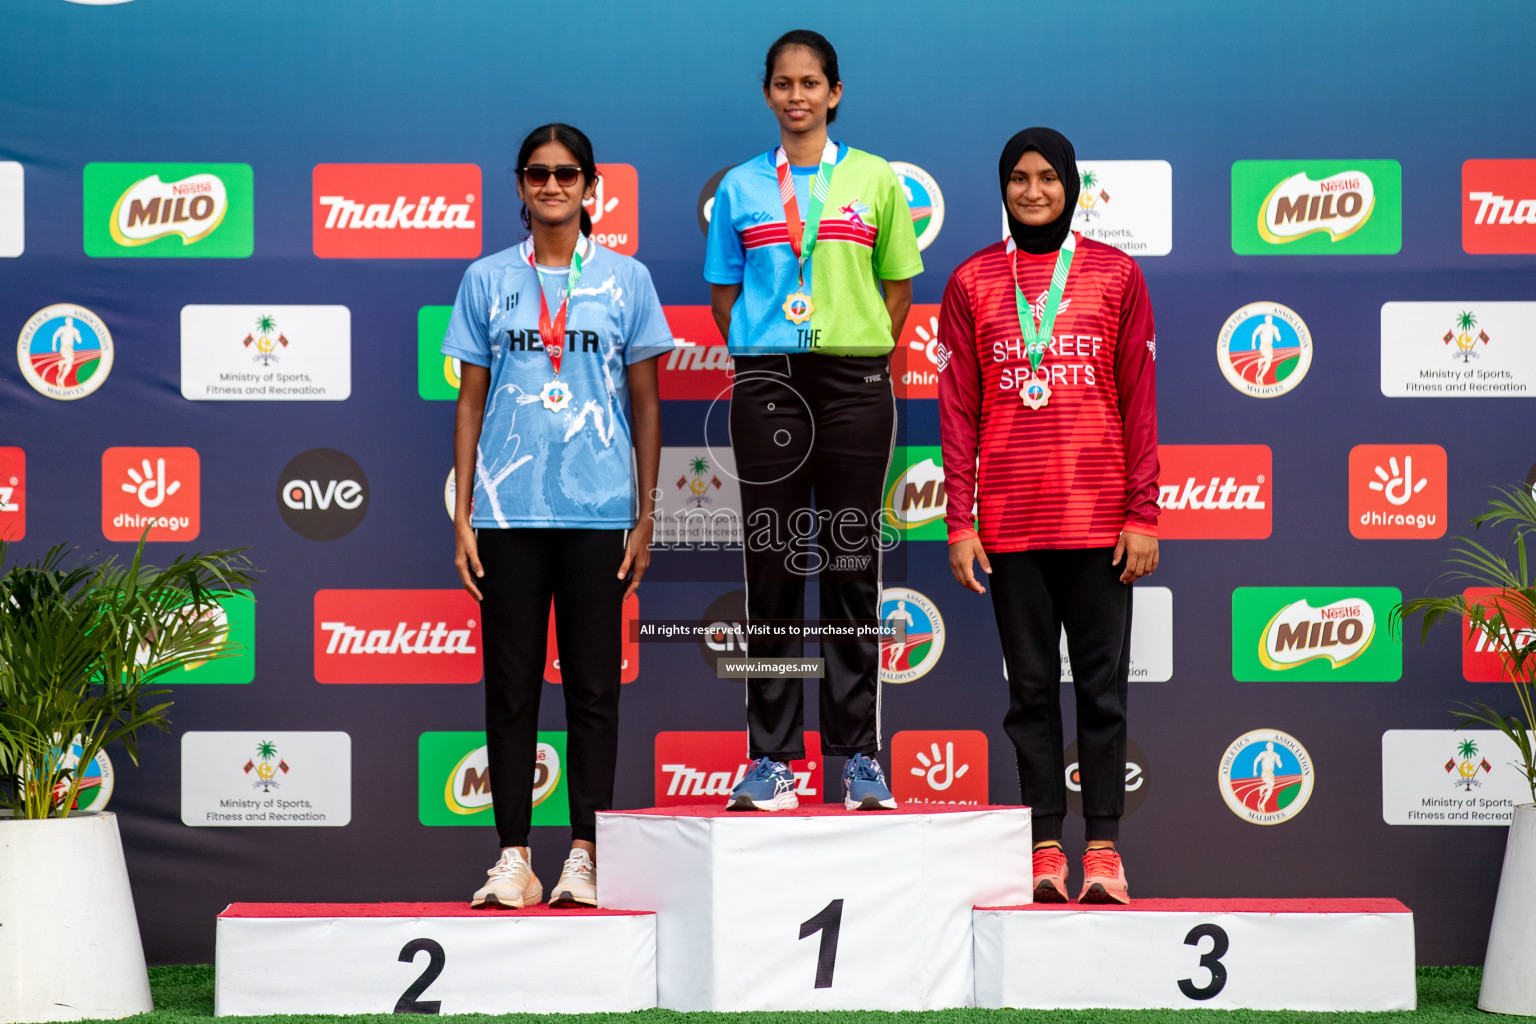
578,882
512,885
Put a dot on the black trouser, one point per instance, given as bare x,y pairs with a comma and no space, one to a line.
1035,594
524,569
805,426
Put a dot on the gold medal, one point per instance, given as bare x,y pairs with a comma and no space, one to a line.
798,308
1036,393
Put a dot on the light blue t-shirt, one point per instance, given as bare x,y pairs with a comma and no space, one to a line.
575,467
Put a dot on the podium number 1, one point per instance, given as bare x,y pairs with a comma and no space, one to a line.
828,920
1210,960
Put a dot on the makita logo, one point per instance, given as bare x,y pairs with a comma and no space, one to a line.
1487,653
396,211
396,636
424,214
1495,209
702,767
689,781
1211,491
1498,207
700,367
691,356
426,639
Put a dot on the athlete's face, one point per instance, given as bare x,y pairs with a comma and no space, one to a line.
798,93
1036,195
552,202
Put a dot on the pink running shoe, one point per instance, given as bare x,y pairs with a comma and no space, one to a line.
1103,878
1050,868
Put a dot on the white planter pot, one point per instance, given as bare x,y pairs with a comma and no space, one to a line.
1509,972
69,939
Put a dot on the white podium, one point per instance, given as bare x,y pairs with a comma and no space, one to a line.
1259,954
814,909
339,958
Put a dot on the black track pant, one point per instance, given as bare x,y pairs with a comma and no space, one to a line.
524,569
812,436
1035,594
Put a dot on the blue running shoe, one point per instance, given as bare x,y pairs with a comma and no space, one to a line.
768,786
864,787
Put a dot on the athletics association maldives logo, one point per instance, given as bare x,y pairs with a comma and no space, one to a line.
396,211
97,779
917,650
396,636
65,351
1264,349
924,199
1265,777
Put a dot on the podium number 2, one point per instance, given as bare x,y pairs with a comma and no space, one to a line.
828,920
436,958
1210,960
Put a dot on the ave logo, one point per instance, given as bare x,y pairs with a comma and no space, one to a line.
1498,206
13,494
396,211
396,636
1397,491
615,208
322,494
1215,491
939,766
700,367
703,767
154,489
629,644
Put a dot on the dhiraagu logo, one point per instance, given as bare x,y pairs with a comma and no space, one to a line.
187,211
454,780
1315,634
1317,207
437,375
914,493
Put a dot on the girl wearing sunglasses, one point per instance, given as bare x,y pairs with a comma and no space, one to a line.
557,415
810,257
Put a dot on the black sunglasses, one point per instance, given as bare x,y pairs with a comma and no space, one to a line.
538,175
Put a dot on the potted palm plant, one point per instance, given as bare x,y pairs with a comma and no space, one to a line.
1499,607
82,647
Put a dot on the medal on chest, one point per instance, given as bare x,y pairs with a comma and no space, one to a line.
798,307
1037,337
556,394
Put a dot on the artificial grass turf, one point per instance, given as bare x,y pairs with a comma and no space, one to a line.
184,995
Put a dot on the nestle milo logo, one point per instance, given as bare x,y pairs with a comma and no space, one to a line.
169,210
1315,634
1317,207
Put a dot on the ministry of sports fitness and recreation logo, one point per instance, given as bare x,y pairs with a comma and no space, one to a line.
615,208
1264,349
396,211
703,767
1397,491
1265,777
1458,349
322,494
1315,634
13,493
912,655
1450,777
930,766
267,353
184,211
924,199
1498,206
1215,491
397,636
13,209
1127,204
1317,207
158,489
454,779
65,351
915,500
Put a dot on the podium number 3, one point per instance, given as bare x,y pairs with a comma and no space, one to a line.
436,958
1210,960
828,920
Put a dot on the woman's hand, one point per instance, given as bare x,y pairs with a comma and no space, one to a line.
637,554
1140,554
466,555
961,554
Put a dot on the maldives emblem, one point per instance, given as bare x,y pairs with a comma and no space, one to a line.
1464,767
924,199
912,653
556,396
65,351
1265,777
699,482
1466,341
1092,199
265,345
266,765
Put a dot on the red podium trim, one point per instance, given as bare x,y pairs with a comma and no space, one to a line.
1226,906
290,910
807,811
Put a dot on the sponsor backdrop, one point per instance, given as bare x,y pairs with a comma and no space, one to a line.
227,263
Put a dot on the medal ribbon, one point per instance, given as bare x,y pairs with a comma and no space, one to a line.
798,240
1037,338
552,330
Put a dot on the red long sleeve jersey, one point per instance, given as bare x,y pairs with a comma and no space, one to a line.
1078,471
